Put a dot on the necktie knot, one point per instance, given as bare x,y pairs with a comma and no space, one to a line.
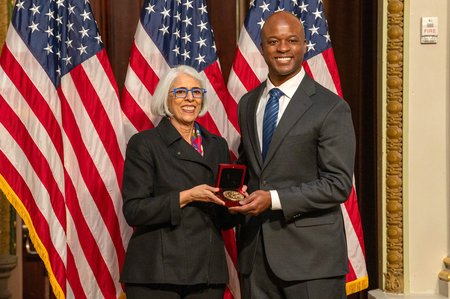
270,119
275,93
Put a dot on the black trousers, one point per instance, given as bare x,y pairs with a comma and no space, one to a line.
262,283
168,291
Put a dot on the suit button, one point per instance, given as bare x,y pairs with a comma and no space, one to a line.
264,183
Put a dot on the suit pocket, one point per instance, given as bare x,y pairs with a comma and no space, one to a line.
315,221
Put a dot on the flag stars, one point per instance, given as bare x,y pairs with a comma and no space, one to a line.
164,29
49,31
82,49
69,43
60,3
85,15
177,33
202,25
50,14
35,9
67,60
279,9
202,9
19,5
261,23
84,32
200,59
185,54
150,8
34,26
70,26
177,16
314,30
327,37
71,9
48,49
176,50
185,28
187,21
188,4
59,20
186,38
317,14
201,42
265,6
304,7
165,13
311,46
99,39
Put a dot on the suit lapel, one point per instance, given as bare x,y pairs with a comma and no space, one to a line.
180,148
251,119
298,105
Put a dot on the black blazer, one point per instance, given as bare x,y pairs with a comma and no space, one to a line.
169,244
310,164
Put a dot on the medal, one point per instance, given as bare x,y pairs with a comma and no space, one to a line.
233,195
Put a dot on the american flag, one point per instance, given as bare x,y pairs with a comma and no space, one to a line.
170,33
249,70
62,145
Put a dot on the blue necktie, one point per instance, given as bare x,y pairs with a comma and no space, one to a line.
270,119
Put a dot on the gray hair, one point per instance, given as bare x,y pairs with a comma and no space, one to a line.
159,105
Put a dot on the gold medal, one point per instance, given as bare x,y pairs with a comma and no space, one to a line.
233,195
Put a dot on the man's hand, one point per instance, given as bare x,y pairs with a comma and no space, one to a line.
254,204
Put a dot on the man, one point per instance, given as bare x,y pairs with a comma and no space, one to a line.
292,242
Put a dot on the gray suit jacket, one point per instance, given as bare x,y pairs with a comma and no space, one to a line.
310,164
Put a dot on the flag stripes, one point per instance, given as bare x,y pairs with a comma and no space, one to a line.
62,155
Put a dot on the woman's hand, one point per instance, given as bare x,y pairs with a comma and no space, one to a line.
203,193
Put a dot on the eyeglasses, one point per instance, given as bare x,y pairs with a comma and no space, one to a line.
182,92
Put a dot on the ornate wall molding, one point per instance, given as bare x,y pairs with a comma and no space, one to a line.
394,281
3,21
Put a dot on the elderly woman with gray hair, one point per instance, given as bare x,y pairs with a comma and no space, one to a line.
176,250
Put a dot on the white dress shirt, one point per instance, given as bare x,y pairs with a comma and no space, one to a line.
288,88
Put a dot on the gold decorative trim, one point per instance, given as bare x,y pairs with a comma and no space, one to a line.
4,20
4,204
394,281
4,225
445,274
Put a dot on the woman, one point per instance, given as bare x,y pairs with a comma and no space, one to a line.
176,250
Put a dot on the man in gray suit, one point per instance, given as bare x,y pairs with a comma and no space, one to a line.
292,243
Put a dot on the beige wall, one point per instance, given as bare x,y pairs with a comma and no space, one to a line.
426,141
